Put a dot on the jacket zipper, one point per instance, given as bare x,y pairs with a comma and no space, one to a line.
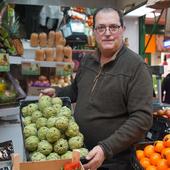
95,80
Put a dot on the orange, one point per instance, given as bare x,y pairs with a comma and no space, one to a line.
154,158
140,154
166,140
162,164
151,167
158,146
149,150
145,162
168,159
165,152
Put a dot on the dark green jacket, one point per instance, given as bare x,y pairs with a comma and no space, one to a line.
113,102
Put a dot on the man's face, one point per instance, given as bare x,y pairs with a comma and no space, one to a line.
108,31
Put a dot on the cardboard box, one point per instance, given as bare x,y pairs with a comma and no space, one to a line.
43,165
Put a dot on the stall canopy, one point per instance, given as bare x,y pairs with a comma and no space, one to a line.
121,4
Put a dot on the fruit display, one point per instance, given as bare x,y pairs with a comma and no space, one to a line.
156,155
41,81
5,43
50,131
10,41
7,91
52,47
10,90
8,96
53,81
60,81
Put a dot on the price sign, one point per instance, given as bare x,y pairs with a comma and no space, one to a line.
4,62
64,69
30,68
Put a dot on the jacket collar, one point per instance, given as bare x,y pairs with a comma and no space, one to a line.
114,57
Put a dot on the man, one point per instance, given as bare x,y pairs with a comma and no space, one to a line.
113,95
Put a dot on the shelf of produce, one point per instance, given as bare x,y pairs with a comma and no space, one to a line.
45,63
20,60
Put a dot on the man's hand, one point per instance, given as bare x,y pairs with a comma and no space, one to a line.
96,157
49,92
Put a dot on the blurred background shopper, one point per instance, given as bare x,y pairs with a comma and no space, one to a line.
166,89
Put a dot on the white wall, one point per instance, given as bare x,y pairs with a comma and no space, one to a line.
132,33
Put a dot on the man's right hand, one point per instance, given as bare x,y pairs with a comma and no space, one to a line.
49,92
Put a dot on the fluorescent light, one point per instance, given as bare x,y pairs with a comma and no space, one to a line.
152,15
143,10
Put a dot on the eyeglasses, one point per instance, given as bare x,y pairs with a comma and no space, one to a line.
113,28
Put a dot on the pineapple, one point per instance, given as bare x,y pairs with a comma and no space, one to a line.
5,45
12,28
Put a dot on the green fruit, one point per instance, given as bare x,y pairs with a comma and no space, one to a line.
51,122
61,146
45,147
65,111
31,143
53,156
67,155
72,130
42,133
27,120
53,134
57,100
75,142
41,122
35,115
62,123
49,112
30,131
37,156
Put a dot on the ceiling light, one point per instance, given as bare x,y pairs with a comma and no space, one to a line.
143,10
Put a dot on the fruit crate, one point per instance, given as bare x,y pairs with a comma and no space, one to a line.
160,127
66,102
42,165
135,163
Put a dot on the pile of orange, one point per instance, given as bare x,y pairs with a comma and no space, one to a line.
155,156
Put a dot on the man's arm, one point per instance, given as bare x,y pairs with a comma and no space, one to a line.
139,110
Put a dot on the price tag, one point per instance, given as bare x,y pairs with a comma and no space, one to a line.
4,62
30,68
64,69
